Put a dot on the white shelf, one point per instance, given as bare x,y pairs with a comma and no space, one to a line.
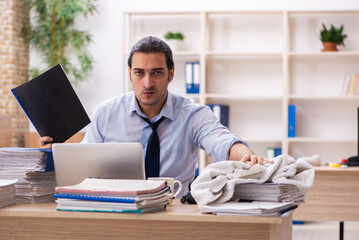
176,54
324,98
319,140
232,97
244,54
186,54
262,140
325,54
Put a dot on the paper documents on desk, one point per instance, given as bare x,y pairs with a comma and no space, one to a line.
29,166
114,195
7,192
268,192
254,208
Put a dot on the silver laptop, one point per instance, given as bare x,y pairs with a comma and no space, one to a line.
76,161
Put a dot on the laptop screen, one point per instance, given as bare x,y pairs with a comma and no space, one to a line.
76,161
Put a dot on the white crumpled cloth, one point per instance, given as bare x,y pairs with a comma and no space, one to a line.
217,181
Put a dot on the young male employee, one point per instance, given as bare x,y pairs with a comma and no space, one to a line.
173,126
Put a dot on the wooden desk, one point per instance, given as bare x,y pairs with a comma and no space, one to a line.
180,221
333,197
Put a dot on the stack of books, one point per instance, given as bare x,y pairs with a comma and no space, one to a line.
7,192
35,179
113,195
259,199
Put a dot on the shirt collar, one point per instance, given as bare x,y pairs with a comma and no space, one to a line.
167,109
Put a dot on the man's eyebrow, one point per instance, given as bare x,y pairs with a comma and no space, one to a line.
141,69
158,69
154,69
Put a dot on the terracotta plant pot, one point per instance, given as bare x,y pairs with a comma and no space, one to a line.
329,47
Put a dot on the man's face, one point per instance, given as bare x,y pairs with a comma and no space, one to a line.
150,77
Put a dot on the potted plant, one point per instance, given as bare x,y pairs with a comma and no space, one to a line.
174,40
53,34
332,38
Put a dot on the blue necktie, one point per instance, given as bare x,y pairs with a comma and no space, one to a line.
152,158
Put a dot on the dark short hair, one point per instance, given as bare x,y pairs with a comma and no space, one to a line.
152,44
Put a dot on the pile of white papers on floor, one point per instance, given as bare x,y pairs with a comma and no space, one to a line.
113,195
28,166
232,187
7,192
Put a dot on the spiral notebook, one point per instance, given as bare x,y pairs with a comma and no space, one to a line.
52,105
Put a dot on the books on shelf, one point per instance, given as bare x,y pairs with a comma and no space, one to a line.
350,85
221,112
272,152
291,120
7,192
192,77
52,105
33,171
113,195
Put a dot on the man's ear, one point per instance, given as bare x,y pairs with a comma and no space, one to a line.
129,73
172,74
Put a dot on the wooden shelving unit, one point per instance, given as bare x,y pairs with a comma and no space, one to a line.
259,62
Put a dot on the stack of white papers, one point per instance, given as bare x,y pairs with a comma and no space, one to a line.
268,192
250,208
15,162
27,166
36,187
7,192
259,199
114,195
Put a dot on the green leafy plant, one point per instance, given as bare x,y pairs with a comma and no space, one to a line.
51,32
170,35
333,35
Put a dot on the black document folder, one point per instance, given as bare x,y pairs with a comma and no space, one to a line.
52,105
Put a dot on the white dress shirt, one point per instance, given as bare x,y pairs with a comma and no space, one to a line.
186,128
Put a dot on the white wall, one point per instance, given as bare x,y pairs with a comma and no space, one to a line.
107,32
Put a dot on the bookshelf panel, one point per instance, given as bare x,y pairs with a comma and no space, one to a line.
159,25
322,76
250,119
342,150
326,119
245,76
257,63
245,32
305,30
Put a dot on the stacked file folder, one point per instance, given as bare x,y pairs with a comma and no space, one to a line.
7,192
28,166
113,195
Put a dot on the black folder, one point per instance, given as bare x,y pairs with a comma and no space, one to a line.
52,105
